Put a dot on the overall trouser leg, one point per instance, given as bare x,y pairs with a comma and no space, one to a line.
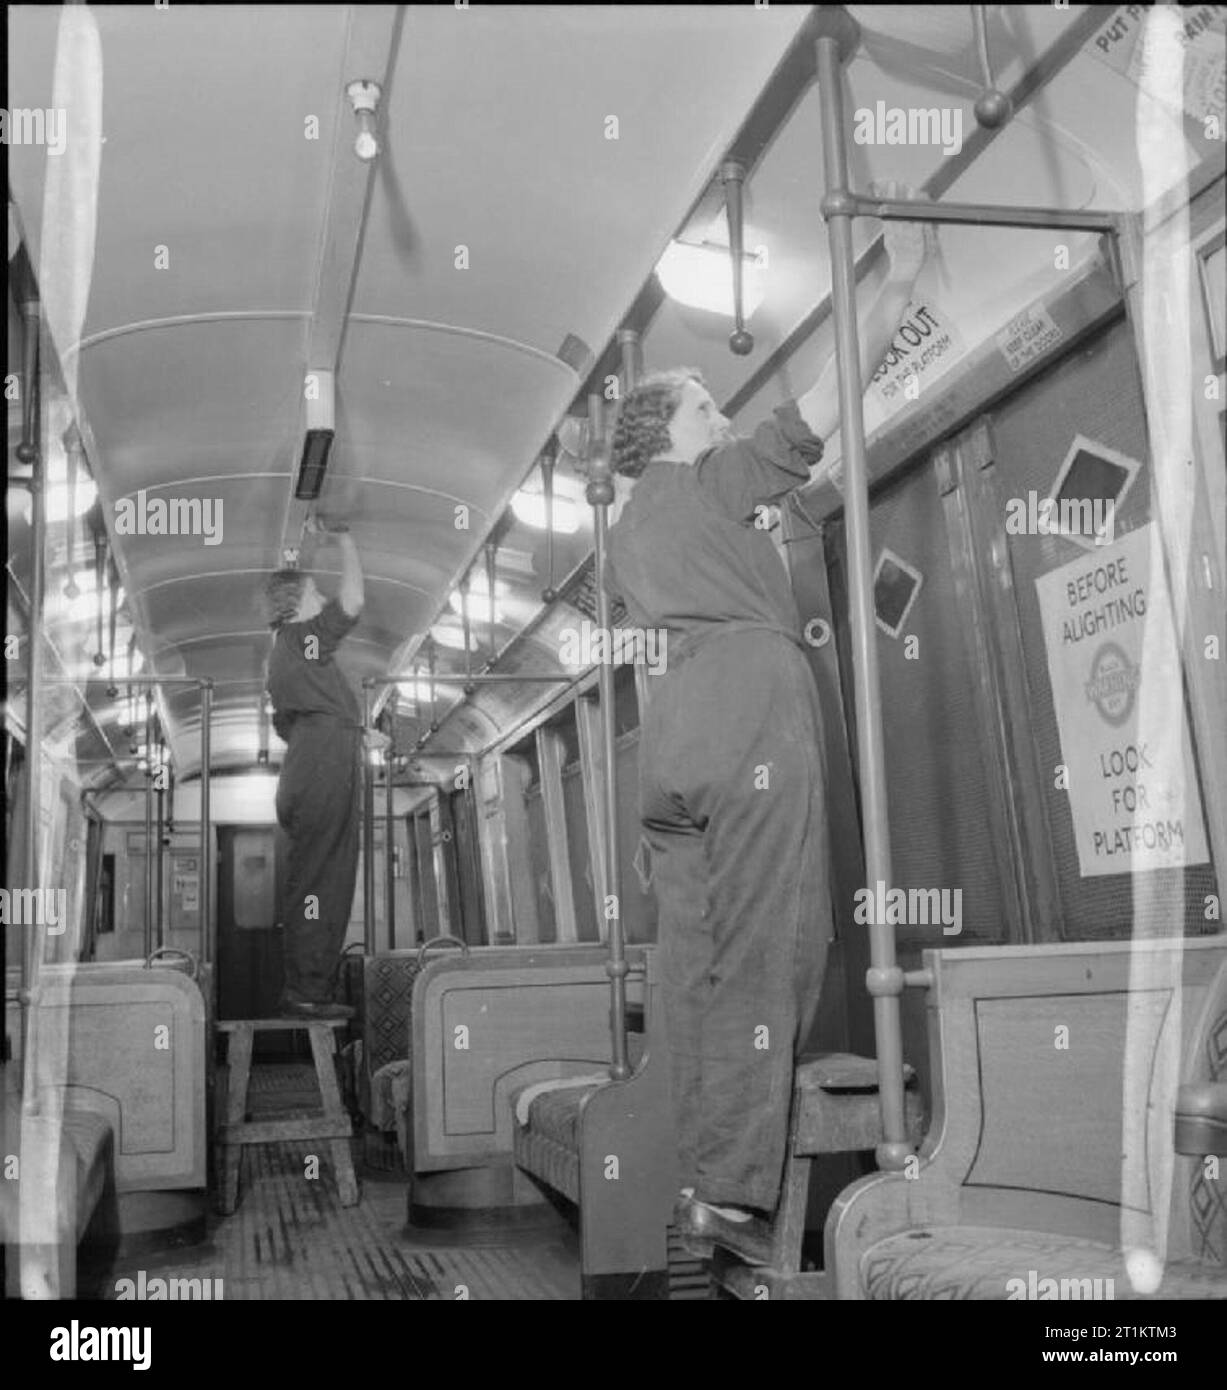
734,762
318,806
679,880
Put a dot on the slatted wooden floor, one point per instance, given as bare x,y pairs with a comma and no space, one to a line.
291,1239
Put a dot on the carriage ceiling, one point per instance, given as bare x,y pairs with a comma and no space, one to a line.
451,374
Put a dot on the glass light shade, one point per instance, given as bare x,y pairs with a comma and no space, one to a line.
55,500
442,690
479,599
702,277
453,637
529,507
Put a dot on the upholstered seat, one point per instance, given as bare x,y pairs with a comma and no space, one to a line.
391,1092
842,1071
385,989
548,1145
84,1144
979,1262
556,1113
1051,1141
93,1142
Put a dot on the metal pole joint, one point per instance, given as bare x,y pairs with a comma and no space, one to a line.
838,203
882,983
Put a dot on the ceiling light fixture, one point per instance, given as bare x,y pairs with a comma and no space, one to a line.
702,278
453,637
364,98
529,508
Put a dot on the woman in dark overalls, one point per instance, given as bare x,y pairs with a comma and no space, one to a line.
732,783
320,789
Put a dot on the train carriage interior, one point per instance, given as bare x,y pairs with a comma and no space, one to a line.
290,283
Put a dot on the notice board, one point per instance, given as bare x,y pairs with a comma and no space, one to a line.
1118,692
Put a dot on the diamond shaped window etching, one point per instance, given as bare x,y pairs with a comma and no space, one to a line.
643,864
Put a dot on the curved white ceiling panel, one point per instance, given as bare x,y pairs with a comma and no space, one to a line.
215,205
206,153
206,398
497,139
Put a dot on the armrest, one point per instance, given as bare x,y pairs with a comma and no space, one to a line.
1201,1119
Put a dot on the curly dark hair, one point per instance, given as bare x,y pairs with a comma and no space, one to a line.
283,591
642,428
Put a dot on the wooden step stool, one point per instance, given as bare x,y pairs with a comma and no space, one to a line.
834,1110
332,1124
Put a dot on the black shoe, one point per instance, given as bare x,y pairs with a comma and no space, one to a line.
305,1008
701,1227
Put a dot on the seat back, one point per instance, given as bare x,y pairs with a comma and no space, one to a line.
1052,1062
128,1043
387,1006
486,1024
1201,1182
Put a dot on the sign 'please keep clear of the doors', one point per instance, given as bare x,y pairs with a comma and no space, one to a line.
1119,698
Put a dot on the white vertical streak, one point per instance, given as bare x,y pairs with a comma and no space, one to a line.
48,1197
1152,1063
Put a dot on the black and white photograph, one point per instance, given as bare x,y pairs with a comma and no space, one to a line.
615,675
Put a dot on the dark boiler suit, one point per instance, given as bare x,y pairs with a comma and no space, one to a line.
318,796
732,799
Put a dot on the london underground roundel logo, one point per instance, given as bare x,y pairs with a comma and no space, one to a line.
1113,685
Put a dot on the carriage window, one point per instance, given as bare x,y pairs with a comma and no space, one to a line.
104,909
626,700
254,908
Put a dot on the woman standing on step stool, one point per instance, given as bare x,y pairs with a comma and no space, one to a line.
732,782
319,792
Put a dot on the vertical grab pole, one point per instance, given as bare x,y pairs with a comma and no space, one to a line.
159,885
548,460
632,369
149,823
29,451
491,558
389,867
838,37
600,493
208,935
464,624
368,830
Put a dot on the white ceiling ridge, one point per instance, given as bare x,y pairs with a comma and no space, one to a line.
183,320
228,574
459,330
371,578
427,491
203,478
214,637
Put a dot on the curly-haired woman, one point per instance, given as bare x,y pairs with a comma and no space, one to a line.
732,782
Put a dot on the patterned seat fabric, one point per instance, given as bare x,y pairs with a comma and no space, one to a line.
388,995
978,1262
548,1145
1208,1195
556,1114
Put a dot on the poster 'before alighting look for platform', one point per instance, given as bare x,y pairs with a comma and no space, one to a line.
1117,689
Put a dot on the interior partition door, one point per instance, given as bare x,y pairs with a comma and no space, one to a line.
249,943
